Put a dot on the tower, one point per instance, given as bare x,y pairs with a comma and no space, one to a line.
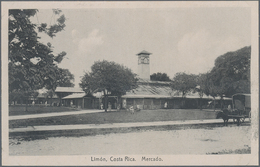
144,65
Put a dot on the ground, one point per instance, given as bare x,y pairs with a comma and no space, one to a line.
177,139
217,140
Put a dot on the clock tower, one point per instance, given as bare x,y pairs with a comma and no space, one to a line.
144,65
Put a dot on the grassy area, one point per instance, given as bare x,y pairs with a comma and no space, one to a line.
37,109
28,136
118,117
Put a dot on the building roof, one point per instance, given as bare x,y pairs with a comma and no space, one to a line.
75,96
224,98
244,94
68,90
81,95
150,91
98,94
145,96
197,96
148,81
157,89
144,52
42,95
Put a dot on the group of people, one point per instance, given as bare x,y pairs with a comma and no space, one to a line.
109,106
46,103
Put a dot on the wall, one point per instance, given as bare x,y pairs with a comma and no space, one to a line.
144,71
175,103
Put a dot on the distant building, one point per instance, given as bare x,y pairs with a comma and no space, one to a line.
158,95
41,98
80,100
62,92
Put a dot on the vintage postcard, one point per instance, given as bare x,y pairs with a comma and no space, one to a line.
130,83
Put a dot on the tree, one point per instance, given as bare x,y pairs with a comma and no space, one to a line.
231,72
159,77
61,78
184,83
210,88
202,86
31,63
107,77
206,85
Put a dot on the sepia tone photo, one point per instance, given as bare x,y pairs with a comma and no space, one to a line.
130,83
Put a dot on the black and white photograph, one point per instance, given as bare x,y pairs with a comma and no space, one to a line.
98,83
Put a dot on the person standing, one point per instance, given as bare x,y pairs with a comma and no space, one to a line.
229,108
109,106
118,107
101,106
165,105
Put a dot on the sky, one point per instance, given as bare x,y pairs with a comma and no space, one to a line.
180,39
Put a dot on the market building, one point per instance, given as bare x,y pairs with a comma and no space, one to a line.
148,95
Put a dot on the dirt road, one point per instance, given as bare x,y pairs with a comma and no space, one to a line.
188,141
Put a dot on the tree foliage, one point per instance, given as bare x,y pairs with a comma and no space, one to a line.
62,78
109,76
202,86
32,64
231,73
159,77
184,83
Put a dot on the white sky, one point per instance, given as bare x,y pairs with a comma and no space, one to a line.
180,39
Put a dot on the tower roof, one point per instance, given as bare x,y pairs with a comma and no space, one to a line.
144,52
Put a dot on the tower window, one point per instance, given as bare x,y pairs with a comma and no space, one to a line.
143,60
146,61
